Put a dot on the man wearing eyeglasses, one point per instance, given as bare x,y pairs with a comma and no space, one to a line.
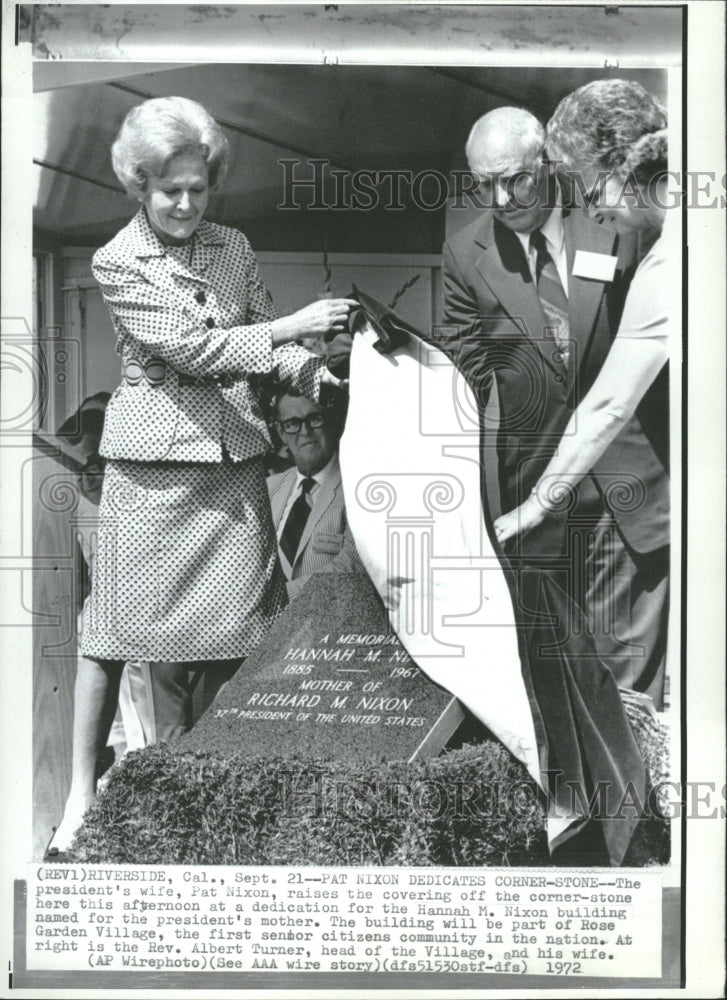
533,295
307,500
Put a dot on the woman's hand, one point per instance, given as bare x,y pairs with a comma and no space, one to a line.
519,521
315,320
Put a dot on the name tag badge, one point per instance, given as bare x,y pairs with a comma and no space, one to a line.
323,542
596,266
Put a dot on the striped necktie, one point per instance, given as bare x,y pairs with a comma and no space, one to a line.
551,293
296,522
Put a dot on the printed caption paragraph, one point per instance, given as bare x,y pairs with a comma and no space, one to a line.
544,922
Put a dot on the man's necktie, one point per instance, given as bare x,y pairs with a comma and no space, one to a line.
297,518
551,293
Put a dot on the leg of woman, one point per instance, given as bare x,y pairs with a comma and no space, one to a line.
172,693
94,704
172,699
216,675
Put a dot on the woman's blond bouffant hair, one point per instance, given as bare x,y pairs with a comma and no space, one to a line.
154,132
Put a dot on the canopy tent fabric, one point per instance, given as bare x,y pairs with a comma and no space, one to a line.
382,118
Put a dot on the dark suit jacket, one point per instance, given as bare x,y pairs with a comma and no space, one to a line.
494,329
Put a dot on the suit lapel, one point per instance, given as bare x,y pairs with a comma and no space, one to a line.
322,500
584,295
504,268
279,495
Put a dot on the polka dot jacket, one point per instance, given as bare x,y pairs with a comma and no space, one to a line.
193,329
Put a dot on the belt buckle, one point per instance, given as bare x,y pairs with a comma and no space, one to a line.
133,371
156,371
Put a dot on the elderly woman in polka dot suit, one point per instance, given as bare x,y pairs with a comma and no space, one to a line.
186,568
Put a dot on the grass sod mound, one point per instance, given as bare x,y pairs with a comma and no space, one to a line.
470,807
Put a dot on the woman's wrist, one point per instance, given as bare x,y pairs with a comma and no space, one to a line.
536,500
283,330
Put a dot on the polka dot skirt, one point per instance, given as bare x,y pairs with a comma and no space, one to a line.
186,567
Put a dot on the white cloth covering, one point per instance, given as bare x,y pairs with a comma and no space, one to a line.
411,477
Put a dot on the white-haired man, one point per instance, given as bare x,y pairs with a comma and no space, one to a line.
534,291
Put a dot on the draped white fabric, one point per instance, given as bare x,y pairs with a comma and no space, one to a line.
411,478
